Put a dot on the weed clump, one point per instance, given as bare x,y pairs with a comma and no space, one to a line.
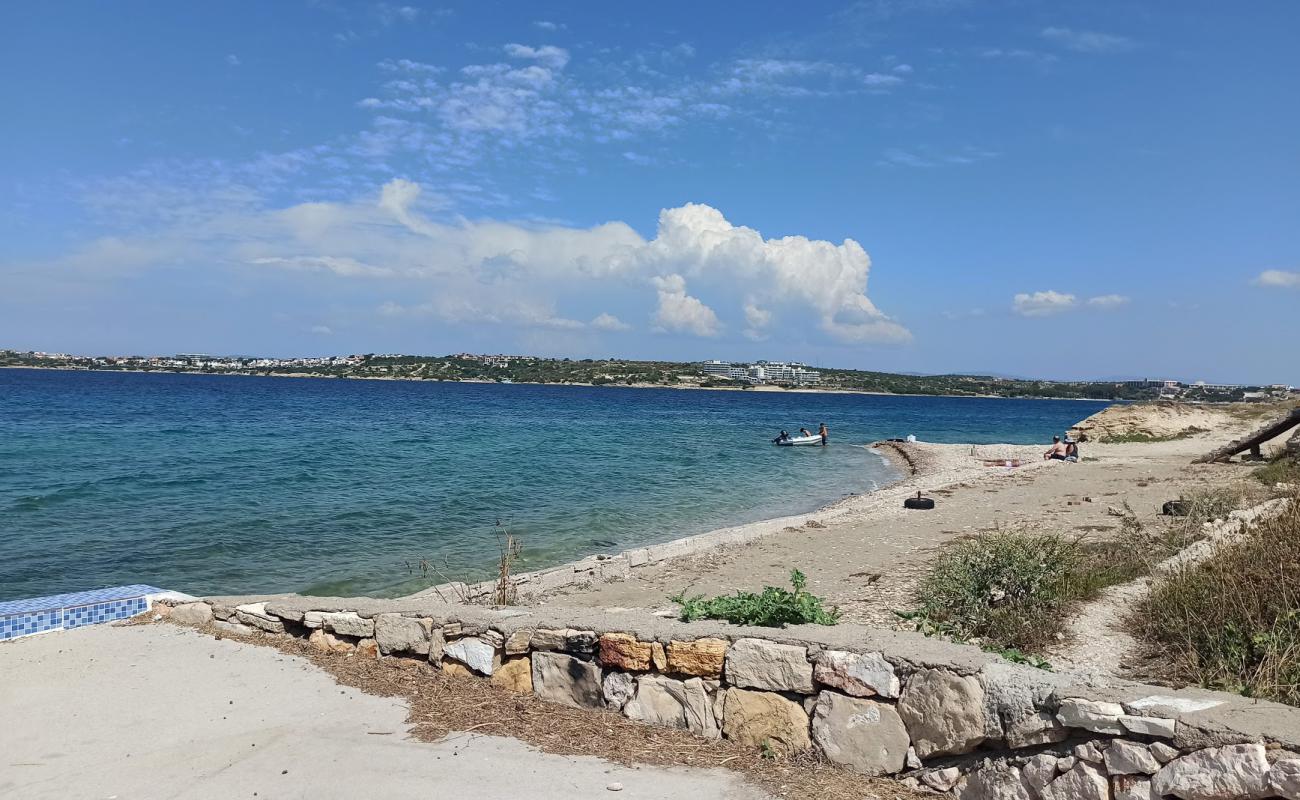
1232,621
1006,589
774,607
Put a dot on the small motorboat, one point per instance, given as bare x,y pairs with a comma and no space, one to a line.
798,440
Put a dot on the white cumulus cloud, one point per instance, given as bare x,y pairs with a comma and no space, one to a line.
1279,278
1042,304
678,311
608,322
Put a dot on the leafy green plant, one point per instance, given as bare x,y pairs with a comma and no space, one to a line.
774,607
1003,588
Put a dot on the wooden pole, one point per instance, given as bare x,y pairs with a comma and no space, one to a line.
1254,440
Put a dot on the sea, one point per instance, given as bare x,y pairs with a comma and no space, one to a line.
212,484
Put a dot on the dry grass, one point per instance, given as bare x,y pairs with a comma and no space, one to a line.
442,705
1232,621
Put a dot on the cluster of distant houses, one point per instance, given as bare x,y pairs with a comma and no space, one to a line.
1177,389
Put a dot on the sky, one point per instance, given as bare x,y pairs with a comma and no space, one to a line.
1045,189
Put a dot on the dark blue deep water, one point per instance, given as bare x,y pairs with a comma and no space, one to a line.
217,484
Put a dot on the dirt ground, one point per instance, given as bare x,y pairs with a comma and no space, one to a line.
866,556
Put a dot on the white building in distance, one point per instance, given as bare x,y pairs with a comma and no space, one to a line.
783,373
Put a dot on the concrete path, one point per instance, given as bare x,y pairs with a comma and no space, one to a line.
152,712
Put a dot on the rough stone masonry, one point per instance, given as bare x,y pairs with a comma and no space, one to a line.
941,716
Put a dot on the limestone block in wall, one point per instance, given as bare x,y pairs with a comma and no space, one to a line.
1091,752
1018,703
698,701
624,652
1215,773
581,643
436,644
702,658
658,702
941,780
326,642
1130,758
857,674
1039,771
659,657
760,664
563,679
864,735
1149,726
549,639
455,669
515,675
994,781
191,614
944,712
618,688
1084,781
255,615
1164,753
232,628
1284,779
399,634
1130,787
1091,715
348,623
474,653
518,643
754,718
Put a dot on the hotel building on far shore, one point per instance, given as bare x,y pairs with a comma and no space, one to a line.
791,373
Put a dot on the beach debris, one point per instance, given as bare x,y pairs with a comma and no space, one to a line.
919,503
615,787
1174,508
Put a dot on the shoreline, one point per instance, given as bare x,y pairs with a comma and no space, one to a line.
922,466
758,389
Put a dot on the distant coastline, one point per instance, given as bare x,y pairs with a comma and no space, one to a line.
676,387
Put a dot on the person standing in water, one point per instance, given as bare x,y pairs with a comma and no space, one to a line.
824,432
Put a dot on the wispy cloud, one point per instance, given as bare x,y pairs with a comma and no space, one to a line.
1278,278
1042,304
1088,41
928,158
547,25
1109,301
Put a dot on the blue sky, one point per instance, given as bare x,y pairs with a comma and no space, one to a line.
1048,189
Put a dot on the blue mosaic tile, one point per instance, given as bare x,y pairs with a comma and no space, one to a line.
72,610
77,598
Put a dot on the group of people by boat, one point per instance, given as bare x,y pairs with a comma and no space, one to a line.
805,437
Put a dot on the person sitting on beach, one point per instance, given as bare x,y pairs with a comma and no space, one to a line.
782,437
805,432
1071,450
824,432
1057,451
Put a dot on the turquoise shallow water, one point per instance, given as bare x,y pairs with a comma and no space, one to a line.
215,484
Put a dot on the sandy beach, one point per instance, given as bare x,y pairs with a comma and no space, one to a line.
865,553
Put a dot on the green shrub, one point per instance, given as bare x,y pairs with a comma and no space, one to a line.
772,608
1233,621
1003,588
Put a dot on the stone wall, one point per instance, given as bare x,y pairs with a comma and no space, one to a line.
937,715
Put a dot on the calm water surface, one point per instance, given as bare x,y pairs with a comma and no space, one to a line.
216,484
